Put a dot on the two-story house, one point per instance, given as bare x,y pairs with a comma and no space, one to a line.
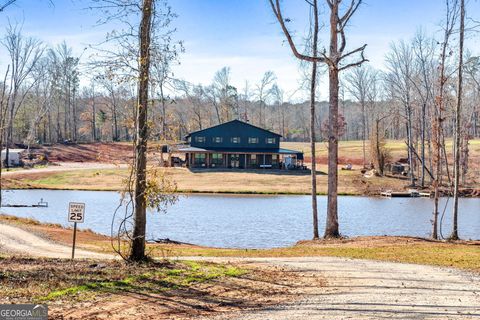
237,144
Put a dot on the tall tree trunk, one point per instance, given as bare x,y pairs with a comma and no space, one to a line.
409,128
74,115
364,134
138,243
94,121
458,114
381,161
331,228
424,107
336,54
164,114
313,87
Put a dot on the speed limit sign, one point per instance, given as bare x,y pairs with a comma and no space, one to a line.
76,212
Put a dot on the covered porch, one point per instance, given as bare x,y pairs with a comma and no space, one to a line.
241,159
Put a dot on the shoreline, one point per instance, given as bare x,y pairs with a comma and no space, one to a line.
196,192
224,192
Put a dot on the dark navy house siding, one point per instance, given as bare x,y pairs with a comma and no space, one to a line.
220,137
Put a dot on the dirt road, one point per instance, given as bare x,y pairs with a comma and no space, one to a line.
65,166
19,241
355,289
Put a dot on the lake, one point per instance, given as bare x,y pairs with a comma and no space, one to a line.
252,221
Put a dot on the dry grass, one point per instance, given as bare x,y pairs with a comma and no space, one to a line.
462,254
153,290
207,181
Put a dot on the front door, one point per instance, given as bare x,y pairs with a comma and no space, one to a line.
234,161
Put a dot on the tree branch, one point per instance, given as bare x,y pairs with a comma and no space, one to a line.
278,14
350,12
355,64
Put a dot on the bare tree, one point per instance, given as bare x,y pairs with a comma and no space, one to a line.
438,134
401,70
138,244
264,92
223,96
42,96
337,61
4,101
164,56
358,81
424,52
24,54
457,132
196,96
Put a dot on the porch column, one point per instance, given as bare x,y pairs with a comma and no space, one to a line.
264,160
245,161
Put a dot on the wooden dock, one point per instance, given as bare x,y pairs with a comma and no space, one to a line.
405,194
40,204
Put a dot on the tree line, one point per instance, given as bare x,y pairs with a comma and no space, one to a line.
42,100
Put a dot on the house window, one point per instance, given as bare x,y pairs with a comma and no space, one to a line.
235,139
253,159
200,139
252,140
217,158
199,158
270,140
217,139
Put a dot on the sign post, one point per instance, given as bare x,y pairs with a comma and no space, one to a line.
76,214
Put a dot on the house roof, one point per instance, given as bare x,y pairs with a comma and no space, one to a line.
232,121
240,150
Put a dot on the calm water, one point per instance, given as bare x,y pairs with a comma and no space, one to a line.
251,221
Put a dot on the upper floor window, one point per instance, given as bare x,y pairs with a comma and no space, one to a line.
235,139
200,139
252,140
270,140
217,139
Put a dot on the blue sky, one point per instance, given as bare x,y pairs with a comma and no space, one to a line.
241,34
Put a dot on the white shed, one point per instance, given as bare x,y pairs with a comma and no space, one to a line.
14,156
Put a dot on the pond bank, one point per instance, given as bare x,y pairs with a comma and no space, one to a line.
458,254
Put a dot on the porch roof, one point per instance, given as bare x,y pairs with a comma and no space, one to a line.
240,150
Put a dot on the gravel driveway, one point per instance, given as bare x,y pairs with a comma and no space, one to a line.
362,289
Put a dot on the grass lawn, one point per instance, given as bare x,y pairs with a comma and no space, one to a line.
207,181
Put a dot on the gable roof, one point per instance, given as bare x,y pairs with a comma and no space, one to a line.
233,121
